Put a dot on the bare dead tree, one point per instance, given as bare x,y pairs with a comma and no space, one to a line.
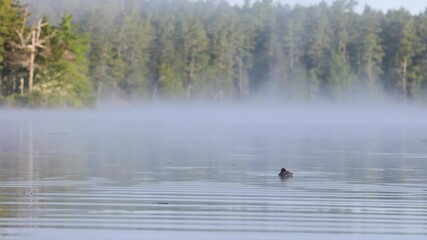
31,43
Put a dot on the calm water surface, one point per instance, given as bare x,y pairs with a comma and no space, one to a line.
116,175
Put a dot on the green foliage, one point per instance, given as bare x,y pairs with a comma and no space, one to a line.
60,67
183,49
64,82
11,17
370,55
340,77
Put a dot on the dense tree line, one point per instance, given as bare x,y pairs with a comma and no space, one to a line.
182,49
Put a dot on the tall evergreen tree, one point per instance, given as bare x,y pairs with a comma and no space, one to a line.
293,45
402,44
194,45
12,16
419,66
340,80
168,79
264,44
224,38
101,63
316,45
370,51
243,39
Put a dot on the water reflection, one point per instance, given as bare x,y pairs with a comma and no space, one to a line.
102,175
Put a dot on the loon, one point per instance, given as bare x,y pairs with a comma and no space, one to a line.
284,174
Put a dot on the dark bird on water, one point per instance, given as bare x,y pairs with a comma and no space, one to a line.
284,174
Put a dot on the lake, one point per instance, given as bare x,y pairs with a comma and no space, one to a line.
211,173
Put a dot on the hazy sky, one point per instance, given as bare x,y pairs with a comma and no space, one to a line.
415,6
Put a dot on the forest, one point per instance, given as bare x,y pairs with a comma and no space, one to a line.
75,53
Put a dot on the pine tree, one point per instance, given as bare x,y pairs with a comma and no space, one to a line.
340,80
194,44
418,76
168,79
403,44
12,16
100,29
370,51
293,42
265,41
224,36
243,45
317,46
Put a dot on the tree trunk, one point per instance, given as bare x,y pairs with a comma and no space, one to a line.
32,59
370,73
291,53
21,86
155,90
241,87
404,78
190,78
13,85
189,89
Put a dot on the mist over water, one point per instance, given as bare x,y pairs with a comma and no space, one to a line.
210,171
243,114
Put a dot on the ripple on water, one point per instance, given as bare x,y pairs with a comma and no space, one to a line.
293,207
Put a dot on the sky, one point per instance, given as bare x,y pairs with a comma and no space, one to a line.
414,6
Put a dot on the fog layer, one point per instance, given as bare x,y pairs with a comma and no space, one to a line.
256,114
